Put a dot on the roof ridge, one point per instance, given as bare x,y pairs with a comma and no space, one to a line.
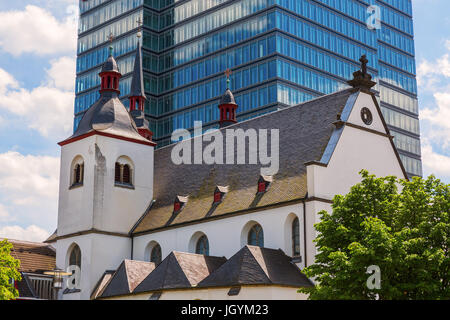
258,117
42,244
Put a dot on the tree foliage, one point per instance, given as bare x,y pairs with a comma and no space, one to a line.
8,271
401,226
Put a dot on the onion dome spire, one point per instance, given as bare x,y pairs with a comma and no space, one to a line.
227,105
110,74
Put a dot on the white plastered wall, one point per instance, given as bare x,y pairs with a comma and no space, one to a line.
225,235
246,293
98,203
99,253
356,149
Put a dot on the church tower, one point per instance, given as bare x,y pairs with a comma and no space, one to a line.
106,184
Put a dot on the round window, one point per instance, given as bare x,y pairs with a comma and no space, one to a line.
366,116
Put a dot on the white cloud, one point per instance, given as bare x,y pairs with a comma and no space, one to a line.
435,163
29,180
36,30
47,108
433,77
31,233
4,214
28,190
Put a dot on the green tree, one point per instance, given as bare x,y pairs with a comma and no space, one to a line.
8,270
401,226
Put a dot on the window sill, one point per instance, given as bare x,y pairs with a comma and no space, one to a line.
124,185
297,259
76,185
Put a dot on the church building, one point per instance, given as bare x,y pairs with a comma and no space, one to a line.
137,225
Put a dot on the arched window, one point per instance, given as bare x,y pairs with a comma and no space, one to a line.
75,257
296,238
155,255
77,174
256,236
123,172
202,246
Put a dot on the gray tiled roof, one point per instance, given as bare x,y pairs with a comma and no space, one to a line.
137,83
180,270
108,115
304,132
257,266
127,277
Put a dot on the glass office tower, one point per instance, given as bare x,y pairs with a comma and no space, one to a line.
281,52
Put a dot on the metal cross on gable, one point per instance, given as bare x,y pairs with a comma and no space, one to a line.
364,63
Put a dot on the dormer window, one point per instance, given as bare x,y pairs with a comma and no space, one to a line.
220,193
77,172
123,172
179,203
262,186
264,183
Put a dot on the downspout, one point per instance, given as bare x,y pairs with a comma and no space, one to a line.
304,229
136,224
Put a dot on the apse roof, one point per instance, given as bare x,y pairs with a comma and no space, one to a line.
257,266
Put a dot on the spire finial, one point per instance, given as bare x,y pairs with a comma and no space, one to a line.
364,62
139,33
361,78
228,74
111,39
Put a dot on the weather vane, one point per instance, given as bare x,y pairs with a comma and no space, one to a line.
228,74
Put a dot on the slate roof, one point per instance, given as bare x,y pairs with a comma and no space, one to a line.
304,132
35,257
180,270
108,115
101,284
257,266
127,277
227,98
137,83
110,65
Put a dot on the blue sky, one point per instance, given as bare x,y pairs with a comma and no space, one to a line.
37,72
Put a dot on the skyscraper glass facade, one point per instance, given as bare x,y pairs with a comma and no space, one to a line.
281,52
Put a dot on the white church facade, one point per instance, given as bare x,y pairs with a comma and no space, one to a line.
139,226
